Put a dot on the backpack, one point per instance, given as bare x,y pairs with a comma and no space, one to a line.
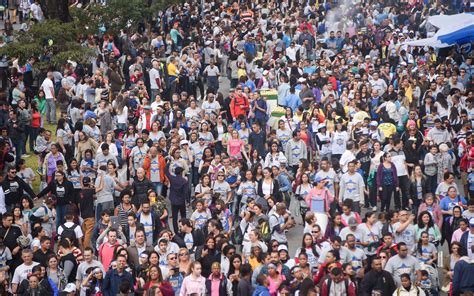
238,234
35,219
264,229
68,232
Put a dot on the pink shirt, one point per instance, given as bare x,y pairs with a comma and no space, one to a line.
457,235
234,147
273,285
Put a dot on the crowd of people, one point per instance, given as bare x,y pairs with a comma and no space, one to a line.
163,167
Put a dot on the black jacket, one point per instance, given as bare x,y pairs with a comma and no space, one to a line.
412,188
63,192
14,190
179,188
44,288
140,191
382,281
198,239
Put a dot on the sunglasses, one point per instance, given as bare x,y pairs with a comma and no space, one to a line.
183,254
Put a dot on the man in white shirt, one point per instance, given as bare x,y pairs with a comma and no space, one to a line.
347,156
89,262
22,271
155,80
378,84
48,87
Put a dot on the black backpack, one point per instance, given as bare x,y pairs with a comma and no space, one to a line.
68,232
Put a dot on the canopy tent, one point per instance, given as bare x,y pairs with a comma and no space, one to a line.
453,29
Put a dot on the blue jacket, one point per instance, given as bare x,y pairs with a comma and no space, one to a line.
463,280
112,280
261,291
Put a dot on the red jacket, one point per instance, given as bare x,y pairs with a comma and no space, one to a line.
239,105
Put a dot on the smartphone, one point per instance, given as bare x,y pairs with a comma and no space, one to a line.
115,220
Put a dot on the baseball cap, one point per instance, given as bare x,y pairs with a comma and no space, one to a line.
70,288
374,123
352,222
183,142
282,248
86,180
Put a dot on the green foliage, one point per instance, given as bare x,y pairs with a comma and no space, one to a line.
36,42
120,14
65,36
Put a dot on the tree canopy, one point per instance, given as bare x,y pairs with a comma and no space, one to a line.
57,39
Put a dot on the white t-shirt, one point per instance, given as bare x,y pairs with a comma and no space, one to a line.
22,271
48,88
154,74
77,230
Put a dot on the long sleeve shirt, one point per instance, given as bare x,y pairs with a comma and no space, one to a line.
351,187
295,150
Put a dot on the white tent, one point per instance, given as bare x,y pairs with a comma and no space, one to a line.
457,28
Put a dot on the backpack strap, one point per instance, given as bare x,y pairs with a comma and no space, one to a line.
329,285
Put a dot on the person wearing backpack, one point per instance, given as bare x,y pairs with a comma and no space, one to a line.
44,215
70,230
336,284
280,221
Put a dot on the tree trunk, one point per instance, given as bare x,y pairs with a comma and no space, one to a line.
56,9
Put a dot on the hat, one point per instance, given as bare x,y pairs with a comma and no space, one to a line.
411,123
471,222
318,179
183,142
357,76
352,222
374,123
147,107
86,180
367,57
282,248
70,288
321,126
208,42
201,139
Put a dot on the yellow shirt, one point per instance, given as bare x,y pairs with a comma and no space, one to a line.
172,70
388,129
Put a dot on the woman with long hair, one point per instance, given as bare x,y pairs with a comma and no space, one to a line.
426,251
418,187
425,224
155,279
387,181
85,143
55,273
194,282
267,186
184,260
208,254
36,123
452,223
312,251
234,271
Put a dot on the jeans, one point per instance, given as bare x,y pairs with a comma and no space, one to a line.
158,187
108,205
87,228
50,111
432,183
174,212
34,131
18,144
403,182
27,133
60,213
386,196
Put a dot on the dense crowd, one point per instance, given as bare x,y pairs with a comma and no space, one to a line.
187,160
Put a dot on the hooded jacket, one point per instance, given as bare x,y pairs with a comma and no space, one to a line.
261,291
463,280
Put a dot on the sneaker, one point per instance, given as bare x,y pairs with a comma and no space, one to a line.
374,209
25,156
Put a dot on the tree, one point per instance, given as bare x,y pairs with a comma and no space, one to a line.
56,9
126,14
51,42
